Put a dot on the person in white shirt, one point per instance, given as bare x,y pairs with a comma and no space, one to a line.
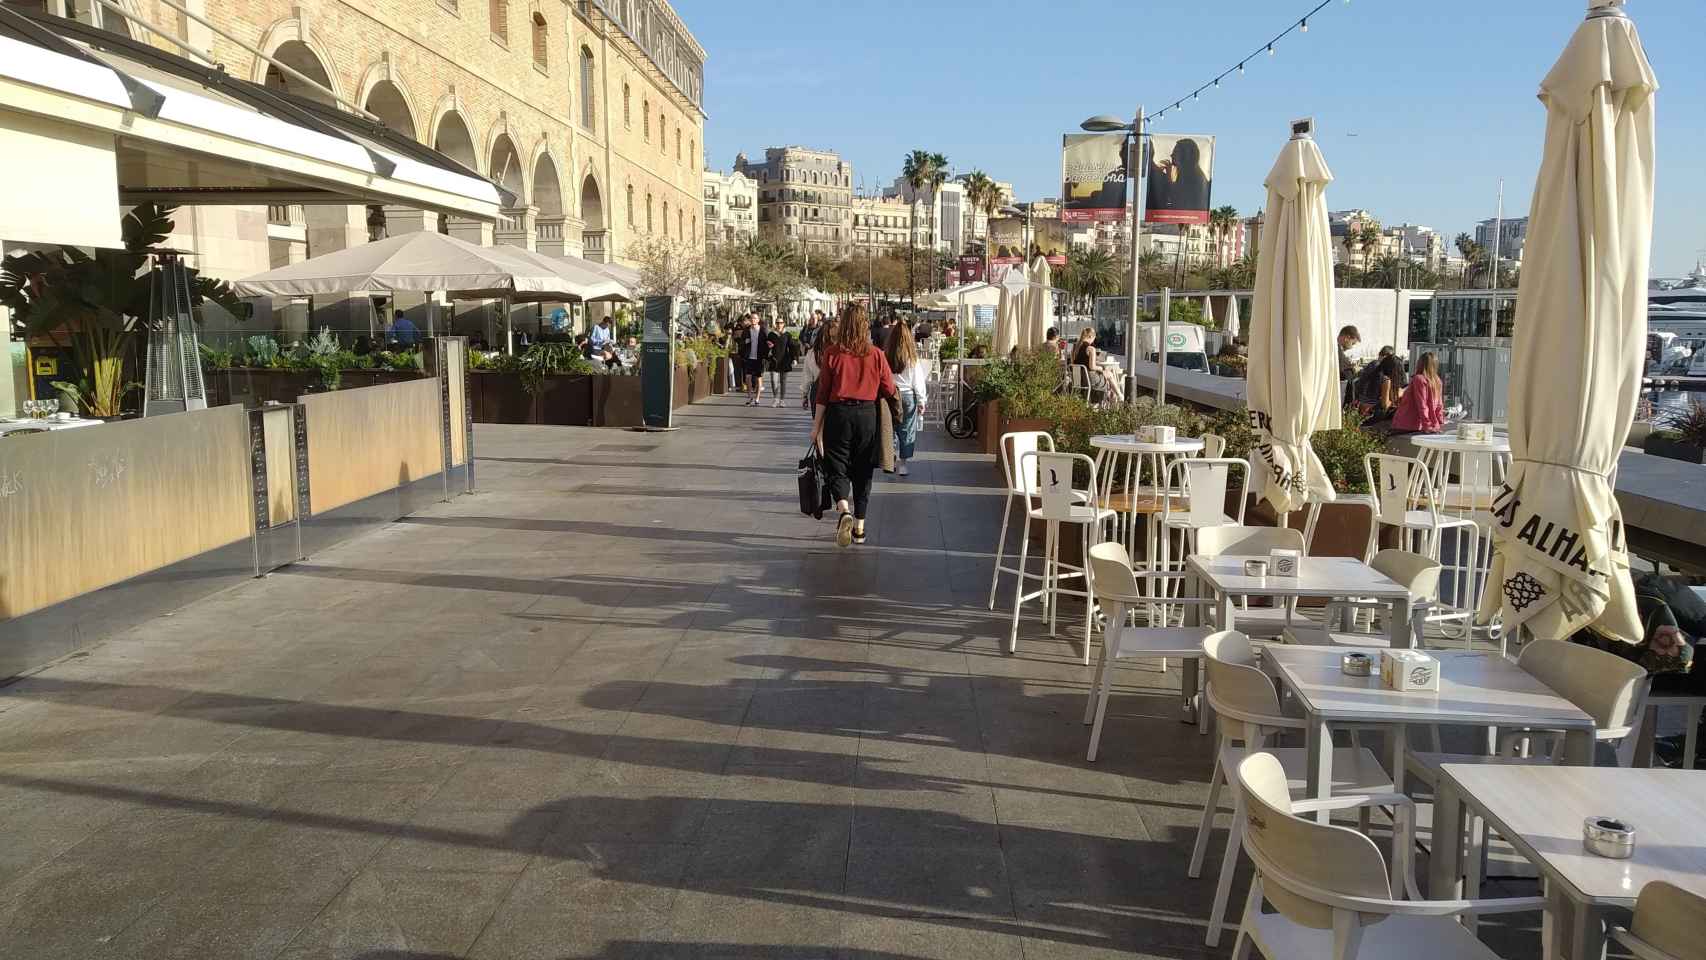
911,379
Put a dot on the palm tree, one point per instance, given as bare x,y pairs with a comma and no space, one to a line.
1474,256
1370,234
918,169
1091,273
983,196
1221,221
938,176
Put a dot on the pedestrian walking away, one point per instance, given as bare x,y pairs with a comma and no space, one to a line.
854,376
810,365
911,382
784,351
752,353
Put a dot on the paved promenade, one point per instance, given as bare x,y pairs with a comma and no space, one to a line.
625,702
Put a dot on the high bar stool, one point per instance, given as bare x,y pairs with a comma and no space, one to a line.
1059,503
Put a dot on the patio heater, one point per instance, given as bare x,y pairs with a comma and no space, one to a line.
173,381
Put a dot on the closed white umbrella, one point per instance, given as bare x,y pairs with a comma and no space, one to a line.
421,261
1294,368
1039,305
1560,562
1232,321
1009,313
1208,311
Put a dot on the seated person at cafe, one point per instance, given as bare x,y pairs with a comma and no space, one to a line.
1379,386
1673,618
1420,409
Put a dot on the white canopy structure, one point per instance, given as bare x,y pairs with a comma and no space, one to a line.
91,120
423,261
1560,562
1293,374
1039,305
971,295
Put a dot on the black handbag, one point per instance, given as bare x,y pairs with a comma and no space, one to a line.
814,484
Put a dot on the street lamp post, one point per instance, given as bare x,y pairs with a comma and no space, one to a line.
1134,172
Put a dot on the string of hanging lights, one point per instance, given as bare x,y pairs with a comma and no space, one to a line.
1300,25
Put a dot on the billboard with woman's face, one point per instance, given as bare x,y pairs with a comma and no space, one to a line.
1093,177
1180,174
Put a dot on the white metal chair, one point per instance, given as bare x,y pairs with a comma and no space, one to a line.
1213,445
1058,503
1239,541
1248,709
1405,498
1694,704
1669,924
1014,447
1416,573
1331,887
1202,484
1115,585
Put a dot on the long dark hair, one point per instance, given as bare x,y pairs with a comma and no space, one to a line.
902,348
852,332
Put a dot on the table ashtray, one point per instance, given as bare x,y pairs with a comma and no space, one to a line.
1356,665
1609,837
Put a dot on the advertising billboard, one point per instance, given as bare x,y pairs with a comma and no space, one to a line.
1006,240
1093,177
1181,177
1048,239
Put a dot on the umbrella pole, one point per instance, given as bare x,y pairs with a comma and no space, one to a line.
1161,368
1134,174
509,328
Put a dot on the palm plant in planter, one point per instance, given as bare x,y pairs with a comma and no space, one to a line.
96,305
1683,437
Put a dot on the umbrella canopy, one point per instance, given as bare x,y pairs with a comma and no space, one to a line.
1009,313
589,282
627,276
1207,310
1232,320
971,294
1039,305
424,261
1294,367
1560,561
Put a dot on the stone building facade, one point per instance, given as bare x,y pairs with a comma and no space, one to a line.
805,199
880,224
588,112
731,208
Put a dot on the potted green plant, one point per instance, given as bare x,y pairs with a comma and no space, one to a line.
1683,436
97,304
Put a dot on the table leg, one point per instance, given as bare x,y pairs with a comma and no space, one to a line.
1445,876
1318,747
1191,681
1578,748
1400,739
1398,624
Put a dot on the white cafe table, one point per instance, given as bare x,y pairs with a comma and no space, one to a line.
1479,467
1125,457
10,425
1475,689
1318,577
1539,810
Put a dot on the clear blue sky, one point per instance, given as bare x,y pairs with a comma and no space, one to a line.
1439,95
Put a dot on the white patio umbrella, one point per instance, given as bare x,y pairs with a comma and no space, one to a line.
1293,370
1560,562
1232,321
1008,314
1208,310
422,261
1039,305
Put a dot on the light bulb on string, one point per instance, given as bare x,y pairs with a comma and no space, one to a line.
1270,49
1240,69
1304,24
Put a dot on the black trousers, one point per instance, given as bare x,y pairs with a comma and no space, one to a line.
851,441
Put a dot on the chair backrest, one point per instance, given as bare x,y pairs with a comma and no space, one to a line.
1205,483
1669,920
1296,855
1415,572
1111,575
1080,376
1014,446
1237,689
1240,541
1607,687
1398,483
1213,445
1054,482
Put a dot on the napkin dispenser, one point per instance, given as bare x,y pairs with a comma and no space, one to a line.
1409,671
1284,563
1156,434
1475,432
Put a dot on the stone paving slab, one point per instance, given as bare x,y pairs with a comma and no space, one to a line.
623,703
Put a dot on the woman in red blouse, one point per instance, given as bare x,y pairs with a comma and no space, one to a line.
853,375
1421,410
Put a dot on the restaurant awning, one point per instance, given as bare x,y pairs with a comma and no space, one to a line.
425,261
90,120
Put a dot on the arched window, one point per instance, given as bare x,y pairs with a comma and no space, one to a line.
627,106
588,116
677,144
646,120
631,220
499,13
649,224
541,47
680,230
663,133
693,153
666,218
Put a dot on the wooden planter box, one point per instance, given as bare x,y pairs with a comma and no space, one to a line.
989,428
499,398
565,400
616,402
1661,445
678,397
254,386
719,376
373,378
